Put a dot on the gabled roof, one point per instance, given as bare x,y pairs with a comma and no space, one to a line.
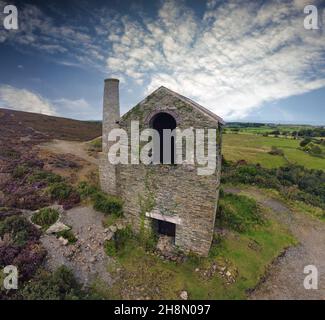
188,101
195,105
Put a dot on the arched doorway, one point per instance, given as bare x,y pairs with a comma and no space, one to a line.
160,122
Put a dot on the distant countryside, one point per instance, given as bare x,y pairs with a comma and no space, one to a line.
273,146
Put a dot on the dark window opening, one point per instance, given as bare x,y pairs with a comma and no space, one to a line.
166,228
160,122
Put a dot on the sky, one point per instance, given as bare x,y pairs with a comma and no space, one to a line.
243,60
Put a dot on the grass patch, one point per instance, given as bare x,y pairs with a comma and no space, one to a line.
143,272
255,149
95,146
45,217
249,252
109,220
238,213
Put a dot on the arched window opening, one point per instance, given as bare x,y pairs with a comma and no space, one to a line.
160,122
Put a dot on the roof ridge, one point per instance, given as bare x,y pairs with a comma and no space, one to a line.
195,104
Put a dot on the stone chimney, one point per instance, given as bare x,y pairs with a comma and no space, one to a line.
111,117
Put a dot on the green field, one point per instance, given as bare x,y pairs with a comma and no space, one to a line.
254,149
265,128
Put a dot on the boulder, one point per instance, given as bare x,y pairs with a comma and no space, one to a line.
184,295
63,241
113,228
109,236
57,227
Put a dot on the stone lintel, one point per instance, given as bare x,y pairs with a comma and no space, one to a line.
159,216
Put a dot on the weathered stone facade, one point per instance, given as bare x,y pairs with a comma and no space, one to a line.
173,193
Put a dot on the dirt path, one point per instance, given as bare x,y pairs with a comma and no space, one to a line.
73,147
285,277
86,257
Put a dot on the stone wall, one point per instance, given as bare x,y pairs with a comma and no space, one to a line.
172,190
175,191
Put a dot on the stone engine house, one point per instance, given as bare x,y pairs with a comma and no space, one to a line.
170,199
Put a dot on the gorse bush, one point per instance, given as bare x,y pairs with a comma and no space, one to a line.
45,217
238,213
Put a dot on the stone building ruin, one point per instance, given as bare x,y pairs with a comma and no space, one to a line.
168,199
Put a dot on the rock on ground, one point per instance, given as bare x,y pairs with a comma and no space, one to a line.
86,257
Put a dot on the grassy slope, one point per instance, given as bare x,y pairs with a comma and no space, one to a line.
165,280
255,148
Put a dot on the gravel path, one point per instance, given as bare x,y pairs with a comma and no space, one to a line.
63,147
86,257
285,277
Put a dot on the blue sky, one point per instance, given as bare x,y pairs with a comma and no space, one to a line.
246,61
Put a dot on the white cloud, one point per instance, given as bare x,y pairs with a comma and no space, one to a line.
24,100
233,60
77,109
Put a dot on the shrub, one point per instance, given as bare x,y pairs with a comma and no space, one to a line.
276,151
45,217
20,246
29,259
9,153
45,177
110,248
316,150
119,241
60,191
107,204
71,201
60,285
20,171
86,190
308,181
304,142
20,230
238,213
122,236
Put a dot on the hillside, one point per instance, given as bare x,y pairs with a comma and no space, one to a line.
42,127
